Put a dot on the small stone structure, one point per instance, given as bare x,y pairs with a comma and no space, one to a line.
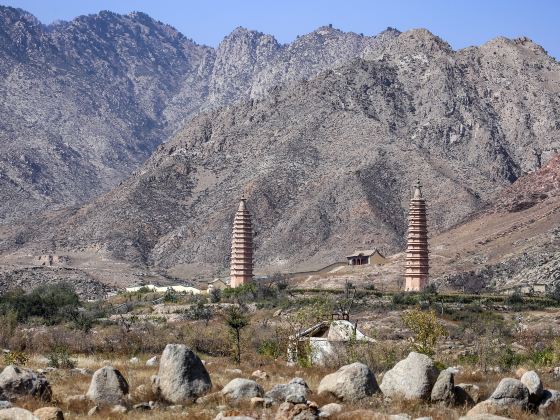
242,247
417,257
325,339
367,257
49,260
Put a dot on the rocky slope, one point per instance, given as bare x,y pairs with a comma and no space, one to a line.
514,242
85,102
327,163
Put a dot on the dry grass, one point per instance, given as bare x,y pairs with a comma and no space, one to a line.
114,345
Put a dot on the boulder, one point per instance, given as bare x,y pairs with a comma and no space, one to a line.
241,389
145,406
349,383
443,390
534,384
361,414
154,361
280,392
134,361
119,409
259,374
329,410
182,377
107,387
483,417
550,403
16,382
93,411
5,404
49,413
412,378
520,372
223,416
510,392
17,413
486,408
258,402
290,411
467,394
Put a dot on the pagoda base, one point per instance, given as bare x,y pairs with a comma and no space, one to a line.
236,281
415,284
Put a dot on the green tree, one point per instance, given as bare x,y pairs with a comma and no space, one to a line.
426,329
215,295
236,320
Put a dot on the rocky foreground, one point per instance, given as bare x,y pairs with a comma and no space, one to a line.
183,387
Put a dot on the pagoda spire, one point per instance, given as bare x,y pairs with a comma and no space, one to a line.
417,255
242,246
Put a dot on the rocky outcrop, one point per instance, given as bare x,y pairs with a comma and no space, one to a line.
242,389
443,390
297,411
467,394
350,383
148,80
49,413
17,382
550,403
17,413
182,376
108,387
297,388
509,394
153,361
330,410
534,385
412,378
384,101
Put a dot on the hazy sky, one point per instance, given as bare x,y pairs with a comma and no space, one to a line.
461,23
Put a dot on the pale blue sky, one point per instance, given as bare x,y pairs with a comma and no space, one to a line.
461,23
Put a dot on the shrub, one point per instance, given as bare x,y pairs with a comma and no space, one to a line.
53,303
236,320
241,294
18,358
509,359
59,358
269,348
215,295
9,322
425,328
515,299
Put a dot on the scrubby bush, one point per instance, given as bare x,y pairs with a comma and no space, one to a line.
59,358
236,319
215,295
52,303
18,358
426,330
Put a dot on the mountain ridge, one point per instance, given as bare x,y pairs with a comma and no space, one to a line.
327,162
85,102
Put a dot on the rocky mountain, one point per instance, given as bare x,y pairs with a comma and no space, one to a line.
327,163
514,242
85,102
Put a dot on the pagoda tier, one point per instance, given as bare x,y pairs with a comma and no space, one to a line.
242,247
417,254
